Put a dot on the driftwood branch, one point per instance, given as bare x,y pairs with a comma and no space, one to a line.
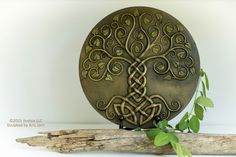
114,140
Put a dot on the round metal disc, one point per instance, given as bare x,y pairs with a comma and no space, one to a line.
138,65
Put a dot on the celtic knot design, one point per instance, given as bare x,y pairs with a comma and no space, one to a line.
136,39
137,81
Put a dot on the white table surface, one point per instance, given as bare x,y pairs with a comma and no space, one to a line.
13,149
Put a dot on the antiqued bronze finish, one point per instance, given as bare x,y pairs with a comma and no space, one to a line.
139,64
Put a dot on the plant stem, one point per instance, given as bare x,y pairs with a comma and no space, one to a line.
195,97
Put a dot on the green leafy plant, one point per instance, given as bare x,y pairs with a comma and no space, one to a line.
165,134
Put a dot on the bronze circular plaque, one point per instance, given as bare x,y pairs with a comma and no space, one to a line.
137,65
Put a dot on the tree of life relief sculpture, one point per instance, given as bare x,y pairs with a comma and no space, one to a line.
127,50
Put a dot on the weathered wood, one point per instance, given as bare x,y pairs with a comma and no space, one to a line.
114,140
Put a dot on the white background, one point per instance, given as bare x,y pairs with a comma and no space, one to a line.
40,43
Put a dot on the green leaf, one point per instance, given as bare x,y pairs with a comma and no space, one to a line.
194,124
161,139
151,134
202,73
205,101
198,111
173,137
206,81
184,117
177,126
201,93
203,88
186,151
183,125
169,126
173,144
179,150
163,124
137,129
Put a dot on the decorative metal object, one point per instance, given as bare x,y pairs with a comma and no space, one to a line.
138,65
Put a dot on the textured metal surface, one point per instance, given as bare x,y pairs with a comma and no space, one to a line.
138,64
